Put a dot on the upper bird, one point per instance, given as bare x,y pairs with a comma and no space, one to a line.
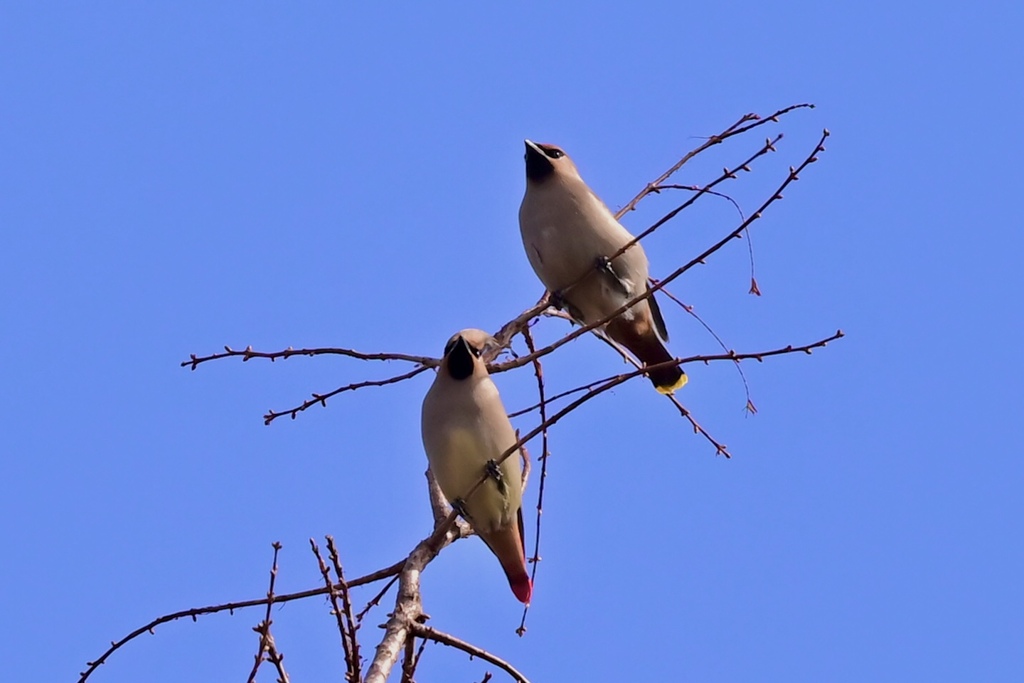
465,430
570,235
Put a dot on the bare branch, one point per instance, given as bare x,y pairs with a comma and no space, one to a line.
426,632
322,398
689,310
735,129
375,600
342,612
277,659
346,606
720,448
230,607
727,174
538,371
248,354
263,628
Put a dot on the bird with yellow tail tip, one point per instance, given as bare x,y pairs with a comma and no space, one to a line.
570,237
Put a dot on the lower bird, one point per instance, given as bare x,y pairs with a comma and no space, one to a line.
570,237
465,430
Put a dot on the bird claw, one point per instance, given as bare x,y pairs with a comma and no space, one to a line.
459,506
604,265
494,473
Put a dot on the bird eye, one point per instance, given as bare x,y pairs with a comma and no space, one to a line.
554,153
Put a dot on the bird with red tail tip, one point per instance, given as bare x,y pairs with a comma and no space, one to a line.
465,430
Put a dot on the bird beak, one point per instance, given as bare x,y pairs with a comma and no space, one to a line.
538,165
460,359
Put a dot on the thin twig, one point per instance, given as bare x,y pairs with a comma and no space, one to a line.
703,190
427,632
720,448
348,641
735,129
230,607
739,369
346,606
263,628
322,398
376,599
616,380
247,354
277,659
538,371
727,174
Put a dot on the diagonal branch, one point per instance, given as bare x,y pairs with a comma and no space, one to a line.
735,129
322,398
727,174
428,633
230,607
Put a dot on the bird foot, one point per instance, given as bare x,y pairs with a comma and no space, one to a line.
494,472
459,506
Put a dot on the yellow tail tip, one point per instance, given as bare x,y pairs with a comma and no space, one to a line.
671,389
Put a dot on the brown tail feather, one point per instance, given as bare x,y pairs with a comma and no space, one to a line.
643,342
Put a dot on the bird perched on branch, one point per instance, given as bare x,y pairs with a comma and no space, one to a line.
465,430
570,237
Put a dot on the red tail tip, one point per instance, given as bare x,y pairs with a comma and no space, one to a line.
522,588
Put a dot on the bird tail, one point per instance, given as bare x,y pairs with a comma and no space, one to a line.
643,342
507,545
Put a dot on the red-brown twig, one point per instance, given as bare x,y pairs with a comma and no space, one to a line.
730,356
248,354
342,612
735,129
322,398
739,369
720,448
346,606
426,632
266,644
727,174
704,190
538,371
375,600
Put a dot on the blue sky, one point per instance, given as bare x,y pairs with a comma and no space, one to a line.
177,177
